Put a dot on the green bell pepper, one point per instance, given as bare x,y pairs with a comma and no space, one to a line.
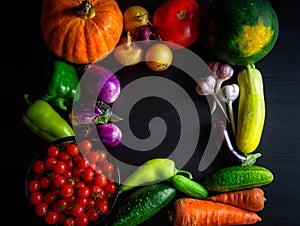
61,85
43,120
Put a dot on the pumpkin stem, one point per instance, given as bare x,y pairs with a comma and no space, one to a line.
86,10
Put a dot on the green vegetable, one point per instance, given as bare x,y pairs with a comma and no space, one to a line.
42,119
189,187
61,84
141,205
251,110
153,170
238,178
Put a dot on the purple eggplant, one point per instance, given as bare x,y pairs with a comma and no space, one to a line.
101,83
110,134
227,149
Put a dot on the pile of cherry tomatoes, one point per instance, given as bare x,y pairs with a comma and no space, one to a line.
72,184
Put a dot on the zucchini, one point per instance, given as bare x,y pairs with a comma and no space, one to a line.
189,187
251,110
238,178
142,204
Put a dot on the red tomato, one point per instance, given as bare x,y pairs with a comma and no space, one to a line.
51,217
78,210
72,149
66,191
178,22
36,197
101,180
93,214
33,185
82,220
53,151
49,198
85,146
41,209
70,221
45,182
60,167
39,167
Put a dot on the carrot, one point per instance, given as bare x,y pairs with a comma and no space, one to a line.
251,199
194,212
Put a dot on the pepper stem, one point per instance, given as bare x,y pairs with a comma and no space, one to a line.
184,172
86,10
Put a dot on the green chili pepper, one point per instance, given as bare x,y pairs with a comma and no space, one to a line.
61,84
153,170
43,120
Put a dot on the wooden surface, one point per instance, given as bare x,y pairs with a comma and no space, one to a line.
25,54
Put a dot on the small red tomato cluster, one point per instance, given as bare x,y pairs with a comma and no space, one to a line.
72,185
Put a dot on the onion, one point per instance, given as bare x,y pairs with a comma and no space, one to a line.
158,57
101,83
127,52
135,16
110,134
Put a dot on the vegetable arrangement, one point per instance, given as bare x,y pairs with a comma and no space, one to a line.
228,196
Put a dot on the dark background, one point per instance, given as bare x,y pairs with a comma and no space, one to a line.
24,53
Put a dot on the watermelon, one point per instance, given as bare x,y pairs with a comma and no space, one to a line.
240,32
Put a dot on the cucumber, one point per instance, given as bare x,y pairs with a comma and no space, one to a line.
238,178
142,204
189,187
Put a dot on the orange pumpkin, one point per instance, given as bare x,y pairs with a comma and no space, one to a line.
81,32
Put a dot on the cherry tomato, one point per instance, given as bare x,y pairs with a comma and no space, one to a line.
82,220
60,167
91,203
77,158
33,185
60,205
50,162
102,207
85,146
66,191
84,192
101,180
91,156
39,167
83,163
108,167
64,156
59,181
36,197
159,57
70,221
110,188
93,214
102,156
72,149
41,209
82,201
88,175
51,217
70,164
49,198
53,151
78,210
178,22
68,174
45,182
